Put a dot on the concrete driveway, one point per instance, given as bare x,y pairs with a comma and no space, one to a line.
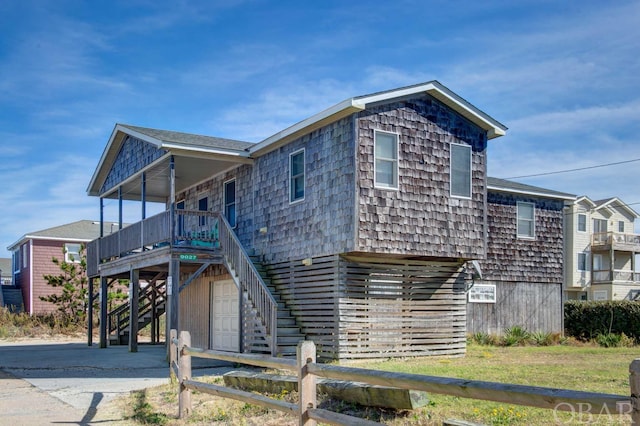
67,382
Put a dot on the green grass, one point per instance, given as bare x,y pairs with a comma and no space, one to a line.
583,368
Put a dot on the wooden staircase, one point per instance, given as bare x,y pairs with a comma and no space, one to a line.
151,305
289,333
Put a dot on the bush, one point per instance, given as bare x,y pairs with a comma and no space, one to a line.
541,338
614,340
484,339
587,320
515,335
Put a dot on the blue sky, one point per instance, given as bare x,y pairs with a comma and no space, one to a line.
564,76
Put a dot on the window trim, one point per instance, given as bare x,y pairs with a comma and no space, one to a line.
586,261
396,163
600,221
67,259
451,171
578,222
235,202
303,175
621,225
16,260
533,220
25,264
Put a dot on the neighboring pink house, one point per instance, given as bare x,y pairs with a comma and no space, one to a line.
33,254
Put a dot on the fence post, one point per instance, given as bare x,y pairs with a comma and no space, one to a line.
306,353
173,352
634,383
184,373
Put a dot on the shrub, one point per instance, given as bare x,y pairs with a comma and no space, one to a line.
515,335
540,338
587,320
614,340
484,339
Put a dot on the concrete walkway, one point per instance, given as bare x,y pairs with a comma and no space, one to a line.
67,382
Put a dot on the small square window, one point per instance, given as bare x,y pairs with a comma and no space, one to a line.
526,220
386,160
296,176
72,253
582,222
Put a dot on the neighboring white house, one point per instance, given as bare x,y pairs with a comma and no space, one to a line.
602,252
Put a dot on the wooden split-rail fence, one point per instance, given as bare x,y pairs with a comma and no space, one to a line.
307,371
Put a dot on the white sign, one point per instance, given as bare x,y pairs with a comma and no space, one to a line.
169,286
482,293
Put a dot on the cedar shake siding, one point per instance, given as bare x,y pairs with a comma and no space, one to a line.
517,259
134,155
421,218
43,253
527,273
322,223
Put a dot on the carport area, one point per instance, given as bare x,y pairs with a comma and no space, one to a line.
68,382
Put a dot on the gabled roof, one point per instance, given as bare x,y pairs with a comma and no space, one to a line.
503,185
80,231
167,139
615,202
434,88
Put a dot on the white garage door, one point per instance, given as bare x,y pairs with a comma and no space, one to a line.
225,321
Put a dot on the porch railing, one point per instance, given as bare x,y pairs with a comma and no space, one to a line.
608,275
619,240
195,229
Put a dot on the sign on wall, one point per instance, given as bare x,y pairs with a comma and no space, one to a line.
482,293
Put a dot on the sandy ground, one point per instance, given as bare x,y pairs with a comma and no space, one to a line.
65,381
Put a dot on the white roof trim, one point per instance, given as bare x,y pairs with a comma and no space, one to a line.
494,128
26,238
610,206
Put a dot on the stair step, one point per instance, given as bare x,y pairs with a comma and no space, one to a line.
290,340
286,322
292,330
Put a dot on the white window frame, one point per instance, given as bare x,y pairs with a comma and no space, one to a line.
68,253
586,261
600,295
233,223
482,293
24,256
303,175
533,220
621,226
451,171
583,215
394,161
16,260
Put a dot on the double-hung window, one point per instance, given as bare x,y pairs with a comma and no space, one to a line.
526,220
386,160
230,202
460,171
583,261
621,226
582,222
296,176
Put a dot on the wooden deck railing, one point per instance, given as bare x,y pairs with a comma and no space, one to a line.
619,240
252,283
194,229
308,371
608,275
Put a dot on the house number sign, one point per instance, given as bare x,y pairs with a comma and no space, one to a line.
188,257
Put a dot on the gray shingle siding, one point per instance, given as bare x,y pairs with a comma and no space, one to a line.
323,222
515,259
134,155
421,218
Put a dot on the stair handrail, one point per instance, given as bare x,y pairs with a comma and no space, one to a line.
250,280
123,308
